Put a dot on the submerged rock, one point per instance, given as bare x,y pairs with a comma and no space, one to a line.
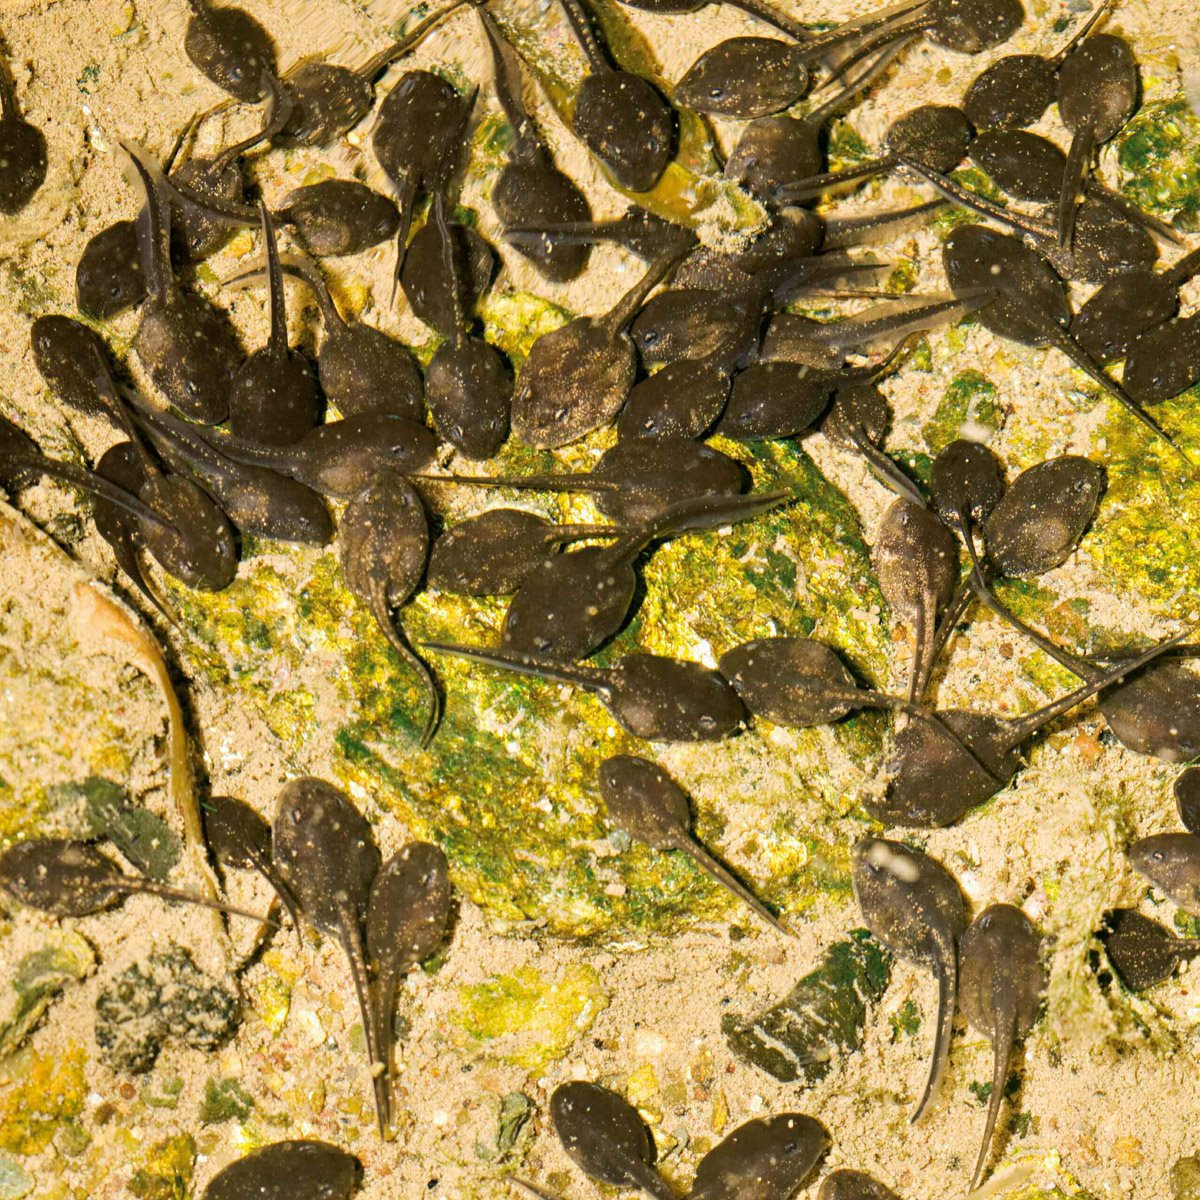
822,1016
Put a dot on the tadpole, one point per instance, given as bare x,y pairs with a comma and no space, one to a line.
571,604
299,1169
1163,361
650,696
745,77
1187,798
853,1185
336,217
645,802
1171,862
683,399
238,837
408,916
230,48
22,148
577,377
1001,982
1097,93
767,1158
1016,90
604,1136
328,100
622,118
274,398
468,385
383,538
493,553
530,189
325,851
934,779
1141,951
640,232
73,879
186,345
916,562
913,905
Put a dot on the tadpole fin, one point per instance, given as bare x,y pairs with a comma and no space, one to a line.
385,619
947,975
720,874
1002,1051
1074,177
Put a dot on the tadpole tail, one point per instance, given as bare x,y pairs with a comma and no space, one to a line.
89,481
352,941
814,185
885,470
1099,14
958,605
162,890
764,12
387,624
384,1005
591,678
947,968
852,231
1002,1049
1083,361
534,483
406,197
1074,177
154,232
720,874
570,233
953,191
283,890
868,23
533,1189
373,67
1025,727
1139,216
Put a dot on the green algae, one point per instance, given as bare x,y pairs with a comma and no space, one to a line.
165,1170
527,1019
968,408
42,1092
224,1100
507,786
1158,153
821,1017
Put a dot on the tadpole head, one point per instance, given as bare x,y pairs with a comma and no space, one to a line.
1187,798
602,1133
625,122
1141,951
285,1170
970,26
230,48
764,1159
966,478
853,1185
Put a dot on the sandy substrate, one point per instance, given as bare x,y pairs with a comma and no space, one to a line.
1109,1090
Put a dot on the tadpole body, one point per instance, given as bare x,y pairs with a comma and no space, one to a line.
645,802
767,1158
23,158
1141,951
914,906
299,1169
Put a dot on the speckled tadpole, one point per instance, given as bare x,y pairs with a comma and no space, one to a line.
291,1170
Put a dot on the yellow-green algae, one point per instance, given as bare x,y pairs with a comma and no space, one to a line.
968,409
527,1019
165,1169
507,786
1158,153
43,1090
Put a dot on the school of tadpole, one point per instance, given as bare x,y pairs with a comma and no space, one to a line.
234,441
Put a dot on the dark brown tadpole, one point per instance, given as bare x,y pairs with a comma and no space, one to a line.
577,377
966,482
800,683
1141,951
916,562
23,157
274,398
1029,304
764,1159
1097,93
756,8
913,905
256,499
571,604
109,276
1016,90
230,48
1127,306
339,216
362,370
638,231
326,852
530,189
341,458
935,777
468,385
383,538
238,837
328,100
606,1139
418,130
73,359
493,553
1171,862
426,283
935,135
853,1185
1187,798
186,345
1163,361
73,879
1001,981
299,1169
645,802
745,77
683,399
650,696
622,118
408,917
